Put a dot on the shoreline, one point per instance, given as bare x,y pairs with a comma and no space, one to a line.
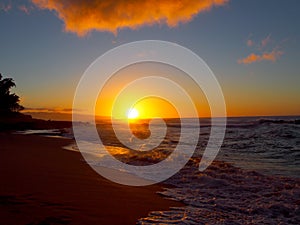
43,183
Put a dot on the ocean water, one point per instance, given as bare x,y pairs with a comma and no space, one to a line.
255,178
269,145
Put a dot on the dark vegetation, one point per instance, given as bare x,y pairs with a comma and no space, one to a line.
9,102
10,116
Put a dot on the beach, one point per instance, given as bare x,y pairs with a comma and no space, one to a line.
41,183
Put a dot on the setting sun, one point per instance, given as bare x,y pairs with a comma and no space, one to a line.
132,113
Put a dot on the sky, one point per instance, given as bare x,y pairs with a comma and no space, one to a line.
252,46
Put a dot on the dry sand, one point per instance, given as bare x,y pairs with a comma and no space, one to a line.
43,184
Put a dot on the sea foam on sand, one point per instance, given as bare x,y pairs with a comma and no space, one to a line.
225,194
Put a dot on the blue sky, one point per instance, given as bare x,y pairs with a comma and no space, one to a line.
47,62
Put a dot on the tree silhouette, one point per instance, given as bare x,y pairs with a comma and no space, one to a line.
9,102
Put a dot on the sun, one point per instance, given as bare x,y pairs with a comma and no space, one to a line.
132,113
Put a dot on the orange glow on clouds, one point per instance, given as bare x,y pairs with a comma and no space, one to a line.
266,56
263,54
82,16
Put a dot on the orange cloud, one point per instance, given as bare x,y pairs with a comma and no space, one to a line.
266,56
272,53
82,16
272,56
249,59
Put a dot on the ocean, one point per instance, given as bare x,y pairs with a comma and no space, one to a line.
255,178
268,145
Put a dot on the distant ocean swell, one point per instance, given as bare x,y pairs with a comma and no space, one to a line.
268,145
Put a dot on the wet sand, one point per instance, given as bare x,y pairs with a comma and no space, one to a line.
43,184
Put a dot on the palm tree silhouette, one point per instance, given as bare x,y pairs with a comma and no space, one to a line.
9,102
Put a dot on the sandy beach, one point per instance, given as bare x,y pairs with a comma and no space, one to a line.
43,184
